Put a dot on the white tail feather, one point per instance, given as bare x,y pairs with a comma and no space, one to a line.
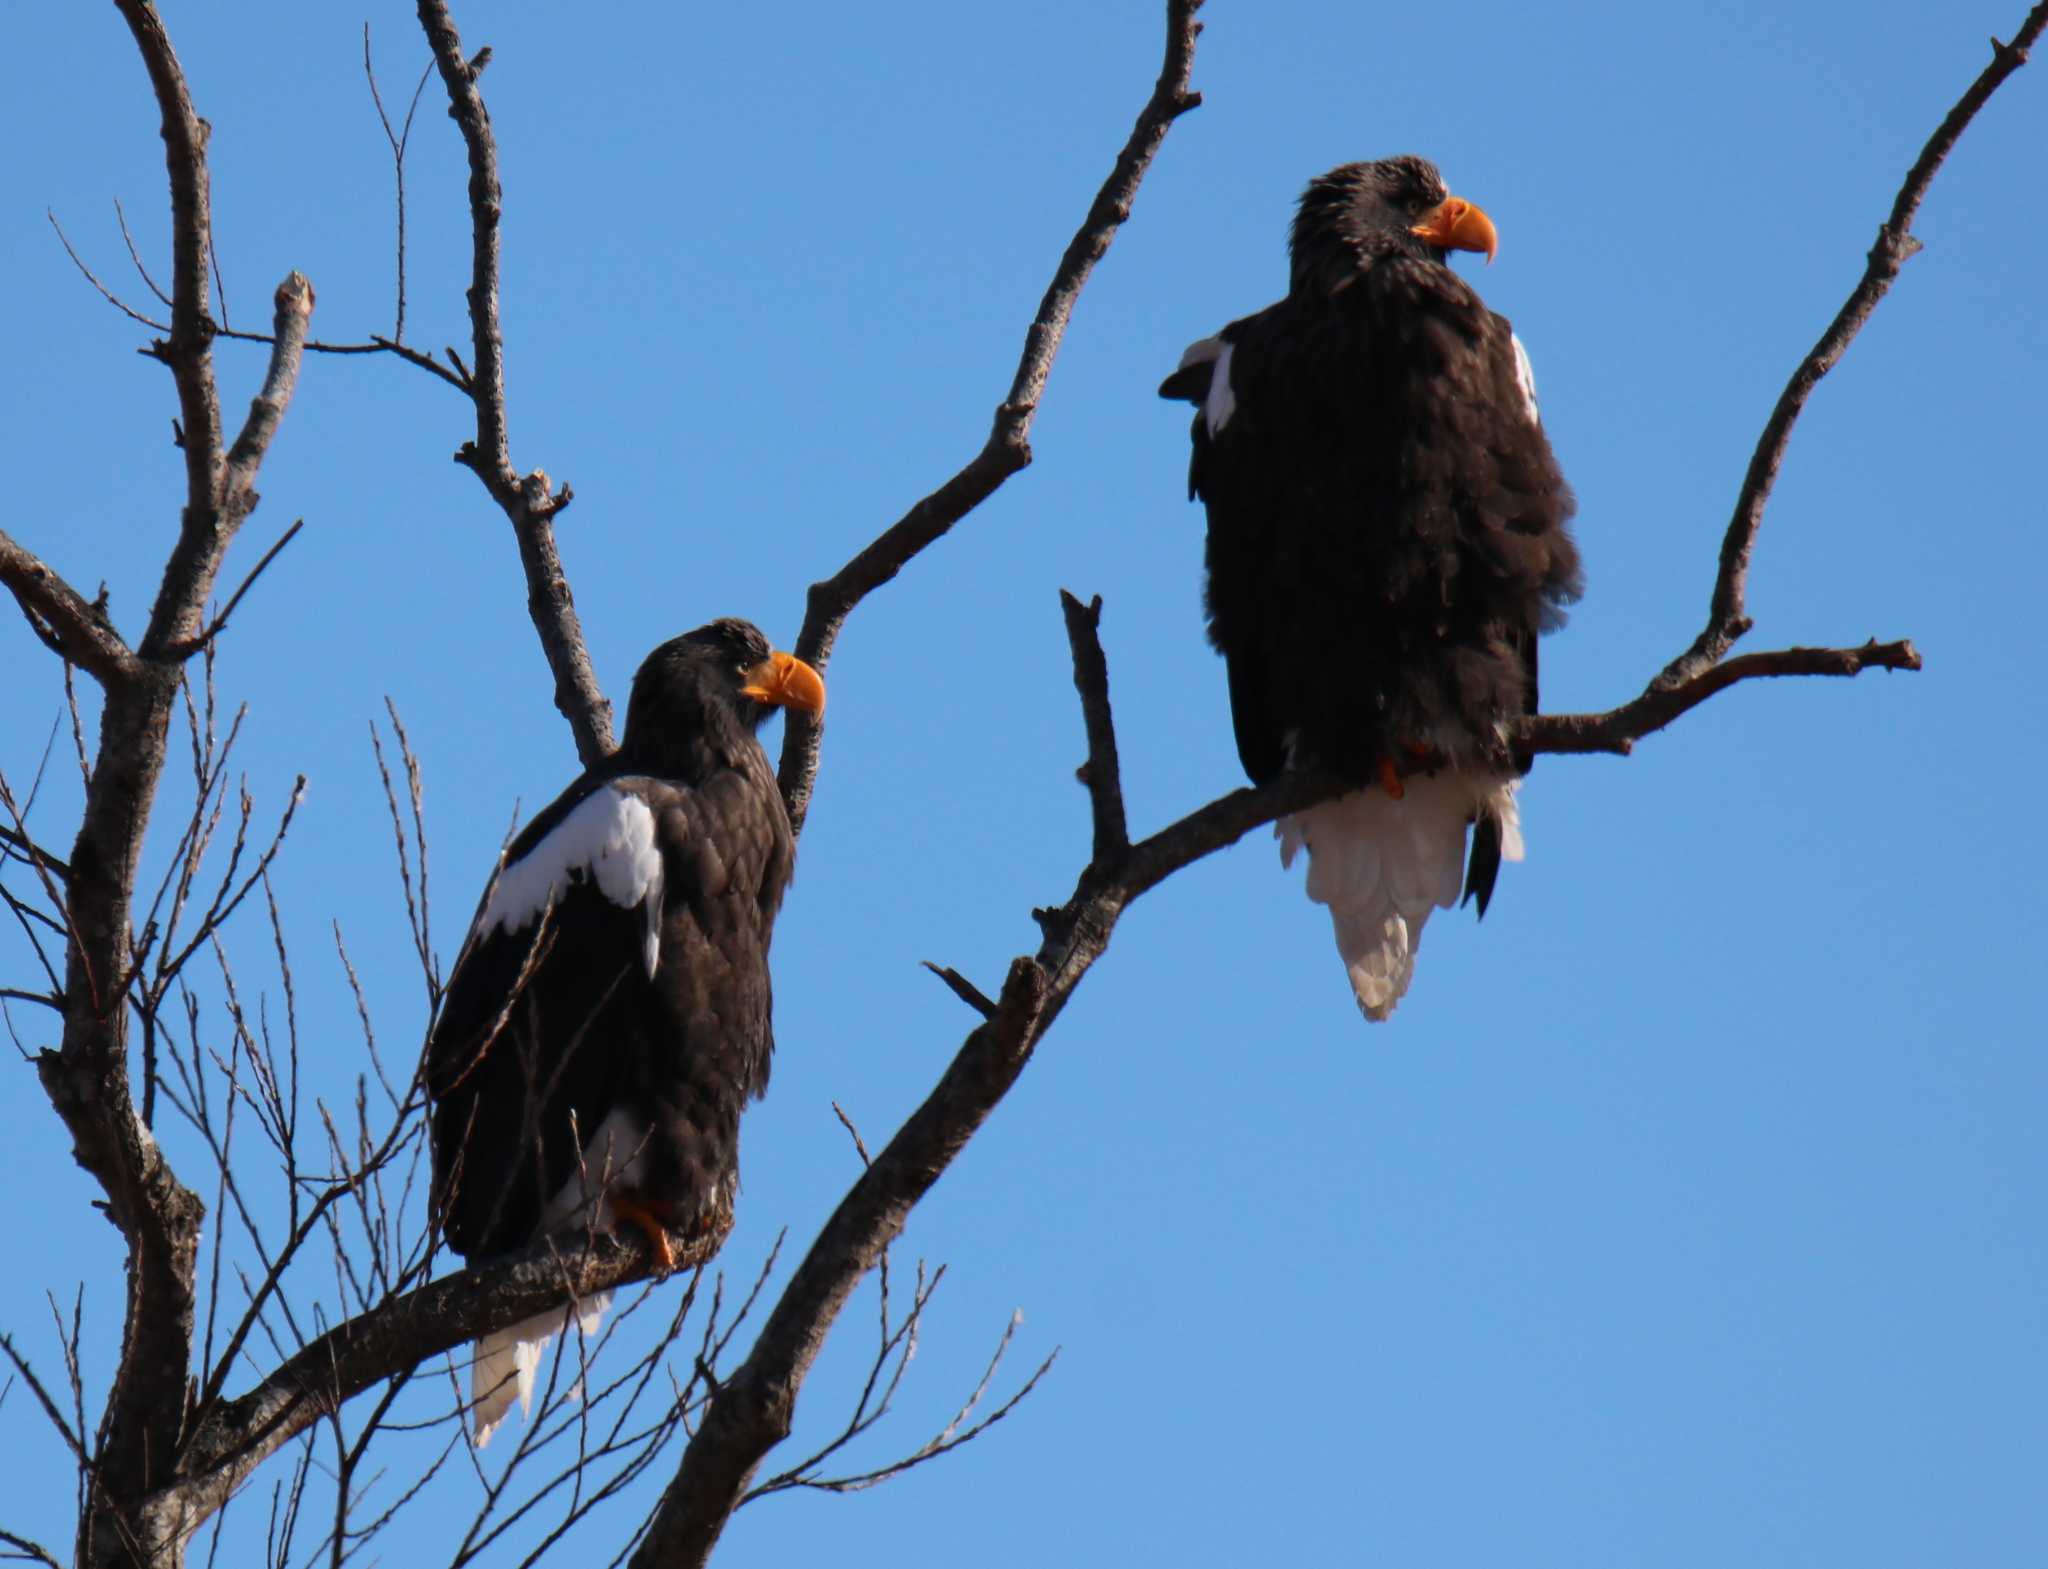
508,1362
1382,865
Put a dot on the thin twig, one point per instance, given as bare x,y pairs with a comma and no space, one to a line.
948,1439
28,1376
106,293
398,140
376,345
220,620
846,1122
135,256
24,848
963,988
77,729
28,1551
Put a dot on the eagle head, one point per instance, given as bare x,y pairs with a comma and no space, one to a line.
1362,213
724,676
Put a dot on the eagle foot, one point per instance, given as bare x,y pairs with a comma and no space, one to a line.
1413,757
629,1207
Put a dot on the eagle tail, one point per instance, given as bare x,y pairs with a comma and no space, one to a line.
508,1361
1382,865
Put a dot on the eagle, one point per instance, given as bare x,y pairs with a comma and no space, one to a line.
608,1017
1388,536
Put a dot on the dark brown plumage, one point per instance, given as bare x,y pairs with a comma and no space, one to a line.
608,1019
1387,532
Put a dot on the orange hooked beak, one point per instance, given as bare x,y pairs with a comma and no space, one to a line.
1458,225
786,681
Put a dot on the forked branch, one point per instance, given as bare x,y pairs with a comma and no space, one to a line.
1619,729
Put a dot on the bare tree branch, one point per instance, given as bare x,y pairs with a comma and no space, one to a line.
960,986
18,843
135,256
87,1078
949,1438
57,919
26,1551
72,1441
752,1411
293,313
1100,774
1619,729
376,345
220,620
185,136
390,1338
399,139
92,278
1008,448
528,503
418,905
1727,617
76,627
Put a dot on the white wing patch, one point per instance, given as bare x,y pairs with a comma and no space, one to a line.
1202,351
1525,378
609,840
1221,402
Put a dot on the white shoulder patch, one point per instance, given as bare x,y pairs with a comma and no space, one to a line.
609,840
1525,376
1222,401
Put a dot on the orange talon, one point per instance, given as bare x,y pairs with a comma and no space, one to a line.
1390,778
627,1208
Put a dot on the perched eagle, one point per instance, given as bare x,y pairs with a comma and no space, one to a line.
1387,537
608,1018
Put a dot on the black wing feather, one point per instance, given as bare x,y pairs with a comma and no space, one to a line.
1386,524
682,1051
513,1100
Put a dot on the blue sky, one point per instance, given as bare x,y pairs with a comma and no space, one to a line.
1687,1213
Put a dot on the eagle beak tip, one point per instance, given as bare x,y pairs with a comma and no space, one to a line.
786,681
1459,225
